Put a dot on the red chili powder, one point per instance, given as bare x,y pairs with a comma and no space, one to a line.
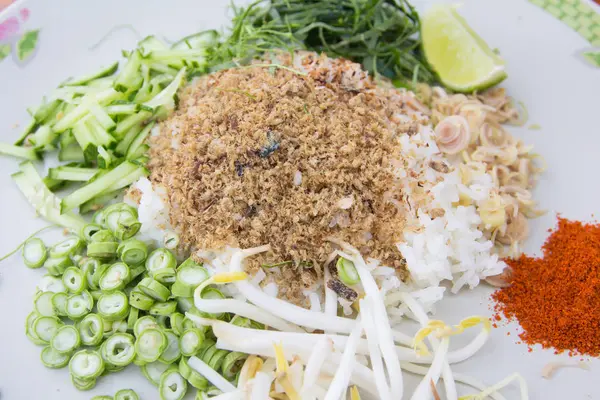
556,298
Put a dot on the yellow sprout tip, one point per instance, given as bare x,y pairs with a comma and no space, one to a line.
256,363
282,365
228,277
354,395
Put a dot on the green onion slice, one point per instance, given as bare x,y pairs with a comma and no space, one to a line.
115,277
29,332
140,300
34,253
52,284
153,371
91,329
347,271
147,322
119,349
163,308
132,252
150,344
171,353
154,289
126,394
193,377
189,276
160,259
46,327
74,280
43,304
113,306
89,230
88,267
86,364
67,247
132,317
172,385
59,302
66,339
176,322
53,359
104,250
83,384
57,266
191,341
79,305
232,364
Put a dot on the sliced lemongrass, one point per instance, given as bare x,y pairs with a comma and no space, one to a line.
210,374
66,339
172,352
133,252
46,327
153,371
59,302
154,289
280,308
67,247
43,304
53,359
191,341
163,308
34,253
88,267
126,394
29,331
91,329
172,385
119,349
79,305
114,277
74,280
160,259
189,276
86,364
113,306
139,300
150,344
57,266
347,271
52,284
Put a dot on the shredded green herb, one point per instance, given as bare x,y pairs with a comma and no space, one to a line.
382,35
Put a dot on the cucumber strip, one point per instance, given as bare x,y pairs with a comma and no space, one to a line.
101,185
129,136
42,137
197,40
161,68
101,73
105,159
128,179
150,43
98,202
27,153
127,76
101,136
138,141
102,117
102,83
163,79
45,110
66,173
31,125
71,118
122,109
140,154
167,94
71,152
126,124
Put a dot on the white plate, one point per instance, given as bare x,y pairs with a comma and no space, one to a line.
562,94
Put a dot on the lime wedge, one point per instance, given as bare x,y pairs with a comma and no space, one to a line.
462,60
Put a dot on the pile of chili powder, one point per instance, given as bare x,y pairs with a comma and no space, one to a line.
556,298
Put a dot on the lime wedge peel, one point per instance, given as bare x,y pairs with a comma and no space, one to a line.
460,57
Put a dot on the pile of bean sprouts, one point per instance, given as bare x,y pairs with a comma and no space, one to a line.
307,354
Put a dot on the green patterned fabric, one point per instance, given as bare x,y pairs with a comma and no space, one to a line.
577,14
